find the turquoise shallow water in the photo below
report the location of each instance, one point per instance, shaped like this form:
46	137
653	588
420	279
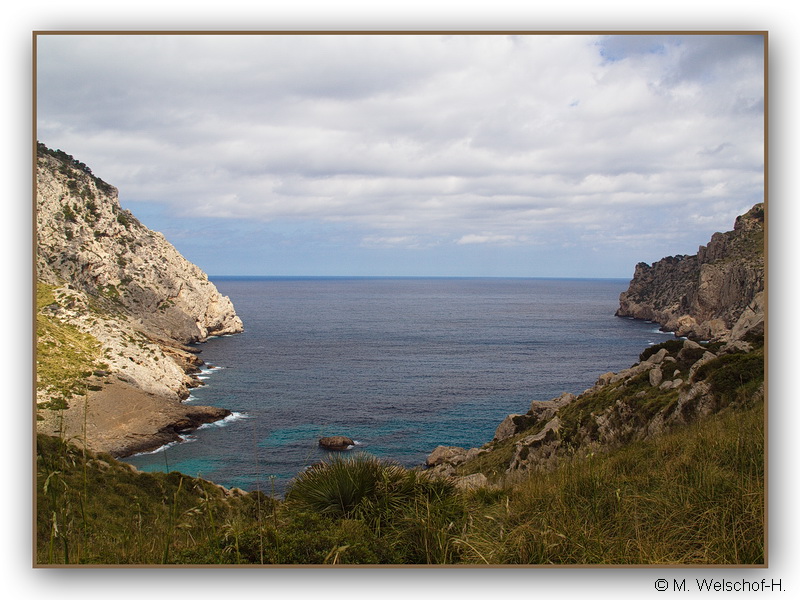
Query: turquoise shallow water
400	365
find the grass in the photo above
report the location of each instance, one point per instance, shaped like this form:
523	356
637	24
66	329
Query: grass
65	356
694	496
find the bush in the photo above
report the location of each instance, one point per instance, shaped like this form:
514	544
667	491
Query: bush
731	375
336	488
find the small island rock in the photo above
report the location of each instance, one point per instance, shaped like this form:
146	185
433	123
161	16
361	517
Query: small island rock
336	442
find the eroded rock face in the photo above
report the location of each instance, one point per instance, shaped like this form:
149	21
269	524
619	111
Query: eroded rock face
131	290
716	294
86	240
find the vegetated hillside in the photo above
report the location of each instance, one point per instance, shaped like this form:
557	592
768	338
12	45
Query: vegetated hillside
640	469
692	496
116	306
716	294
674	384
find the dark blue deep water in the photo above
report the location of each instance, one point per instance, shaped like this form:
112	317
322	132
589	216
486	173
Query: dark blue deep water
400	365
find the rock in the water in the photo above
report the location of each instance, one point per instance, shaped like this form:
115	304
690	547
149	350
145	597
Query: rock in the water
336	442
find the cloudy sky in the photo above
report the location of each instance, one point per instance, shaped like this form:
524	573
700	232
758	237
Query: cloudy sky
462	155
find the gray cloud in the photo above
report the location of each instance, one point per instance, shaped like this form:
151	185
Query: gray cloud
420	141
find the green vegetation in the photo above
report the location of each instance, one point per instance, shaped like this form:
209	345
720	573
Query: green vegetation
68	163
69	214
65	356
694	496
122	219
733	377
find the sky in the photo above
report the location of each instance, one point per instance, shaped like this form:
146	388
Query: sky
416	155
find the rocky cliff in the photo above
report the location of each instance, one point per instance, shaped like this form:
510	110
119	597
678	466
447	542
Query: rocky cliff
129	301
717	294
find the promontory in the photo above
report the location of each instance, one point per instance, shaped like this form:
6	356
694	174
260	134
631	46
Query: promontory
118	314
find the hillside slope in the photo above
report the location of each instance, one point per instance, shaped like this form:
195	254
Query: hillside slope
116	307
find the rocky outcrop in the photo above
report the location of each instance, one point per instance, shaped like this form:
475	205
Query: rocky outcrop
673	384
86	241
108	276
717	294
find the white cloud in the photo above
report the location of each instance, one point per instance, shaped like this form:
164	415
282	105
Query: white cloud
501	239
444	138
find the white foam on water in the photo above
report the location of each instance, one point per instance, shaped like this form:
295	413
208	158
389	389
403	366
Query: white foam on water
231	418
184	439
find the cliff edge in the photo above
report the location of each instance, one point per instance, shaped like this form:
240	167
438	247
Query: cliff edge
117	306
717	294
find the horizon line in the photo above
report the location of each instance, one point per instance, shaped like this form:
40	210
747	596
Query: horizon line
409	277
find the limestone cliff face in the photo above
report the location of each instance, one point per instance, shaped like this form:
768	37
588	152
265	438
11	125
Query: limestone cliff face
132	291
717	294
85	239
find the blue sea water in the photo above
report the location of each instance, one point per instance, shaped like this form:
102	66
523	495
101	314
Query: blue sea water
400	365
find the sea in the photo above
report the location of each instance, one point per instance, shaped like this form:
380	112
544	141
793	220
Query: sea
399	365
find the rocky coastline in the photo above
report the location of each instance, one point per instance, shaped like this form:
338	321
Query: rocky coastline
716	294
132	305
715	297
137	309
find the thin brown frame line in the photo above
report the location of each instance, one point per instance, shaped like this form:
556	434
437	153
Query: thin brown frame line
402	32
328	32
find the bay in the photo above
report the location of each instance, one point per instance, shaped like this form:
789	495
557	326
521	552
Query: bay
400	365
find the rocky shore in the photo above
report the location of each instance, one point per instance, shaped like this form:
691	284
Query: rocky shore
717	297
118	308
123	420
717	294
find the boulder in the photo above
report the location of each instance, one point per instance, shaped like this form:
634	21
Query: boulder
512	425
656	376
471	482
658	357
453	455
336	442
707	357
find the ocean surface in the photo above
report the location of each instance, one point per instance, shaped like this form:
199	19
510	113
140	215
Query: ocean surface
401	365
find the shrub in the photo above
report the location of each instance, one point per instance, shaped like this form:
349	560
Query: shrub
69	214
733	374
337	487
